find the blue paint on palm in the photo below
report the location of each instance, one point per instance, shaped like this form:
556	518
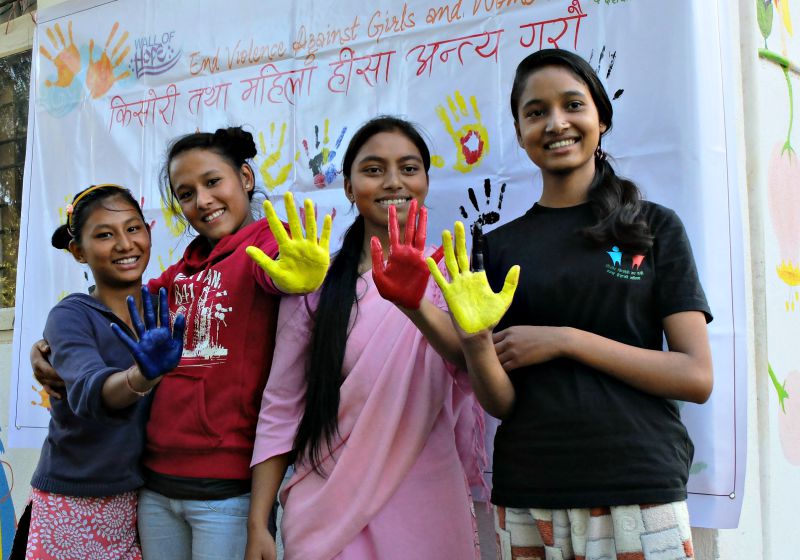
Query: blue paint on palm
158	350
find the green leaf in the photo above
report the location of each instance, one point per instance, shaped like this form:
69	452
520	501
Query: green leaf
764	15
780	388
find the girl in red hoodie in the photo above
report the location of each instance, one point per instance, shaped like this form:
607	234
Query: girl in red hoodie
202	423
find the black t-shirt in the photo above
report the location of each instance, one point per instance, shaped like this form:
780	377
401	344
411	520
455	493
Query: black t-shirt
577	437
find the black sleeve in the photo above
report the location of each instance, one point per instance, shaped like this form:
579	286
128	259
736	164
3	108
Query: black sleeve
677	283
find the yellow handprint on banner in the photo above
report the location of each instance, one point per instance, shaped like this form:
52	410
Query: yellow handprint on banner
782	6
62	211
173	218
273	181
471	140
100	74
161	265
68	59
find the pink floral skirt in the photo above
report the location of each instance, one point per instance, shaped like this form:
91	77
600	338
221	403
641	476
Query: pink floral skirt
72	527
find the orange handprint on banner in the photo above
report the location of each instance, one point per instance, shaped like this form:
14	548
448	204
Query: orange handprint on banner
68	59
44	398
471	140
100	74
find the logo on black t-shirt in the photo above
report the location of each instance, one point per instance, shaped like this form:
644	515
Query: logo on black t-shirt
626	267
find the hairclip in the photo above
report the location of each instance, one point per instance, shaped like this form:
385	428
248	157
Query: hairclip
71	207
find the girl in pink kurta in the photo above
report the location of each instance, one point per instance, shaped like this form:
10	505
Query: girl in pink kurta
388	476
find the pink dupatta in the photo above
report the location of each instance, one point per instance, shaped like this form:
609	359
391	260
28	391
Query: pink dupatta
410	430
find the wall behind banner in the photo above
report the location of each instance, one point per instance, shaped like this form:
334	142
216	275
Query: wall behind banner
115	120
771	58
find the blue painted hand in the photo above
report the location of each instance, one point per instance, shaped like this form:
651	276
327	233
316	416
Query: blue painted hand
158	350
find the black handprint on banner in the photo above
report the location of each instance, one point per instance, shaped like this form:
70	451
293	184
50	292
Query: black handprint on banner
487	215
609	58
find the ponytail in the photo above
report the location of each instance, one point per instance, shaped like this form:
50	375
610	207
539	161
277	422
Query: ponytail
320	423
617	205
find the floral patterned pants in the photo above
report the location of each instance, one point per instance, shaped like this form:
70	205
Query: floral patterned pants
80	528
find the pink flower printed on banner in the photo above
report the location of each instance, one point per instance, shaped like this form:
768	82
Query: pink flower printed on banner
789	420
784	208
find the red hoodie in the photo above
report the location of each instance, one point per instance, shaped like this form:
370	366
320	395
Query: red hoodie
204	414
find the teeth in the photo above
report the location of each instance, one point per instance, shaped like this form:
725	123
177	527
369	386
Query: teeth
561	144
395	201
128	260
213	216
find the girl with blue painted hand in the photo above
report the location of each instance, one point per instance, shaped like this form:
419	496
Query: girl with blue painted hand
84	488
228	285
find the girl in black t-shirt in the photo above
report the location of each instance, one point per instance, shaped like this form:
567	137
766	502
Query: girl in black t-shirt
591	459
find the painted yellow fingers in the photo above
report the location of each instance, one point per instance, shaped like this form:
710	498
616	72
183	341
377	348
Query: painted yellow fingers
471	300
303	260
461	248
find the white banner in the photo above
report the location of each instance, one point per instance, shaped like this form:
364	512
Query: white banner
113	82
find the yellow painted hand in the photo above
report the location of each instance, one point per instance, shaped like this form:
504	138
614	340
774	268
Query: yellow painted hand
470	298
68	59
302	261
100	74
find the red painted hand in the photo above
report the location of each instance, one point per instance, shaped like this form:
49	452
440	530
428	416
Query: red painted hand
403	279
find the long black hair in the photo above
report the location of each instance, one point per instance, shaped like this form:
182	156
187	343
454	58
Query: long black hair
82	206
320	422
234	144
615	201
